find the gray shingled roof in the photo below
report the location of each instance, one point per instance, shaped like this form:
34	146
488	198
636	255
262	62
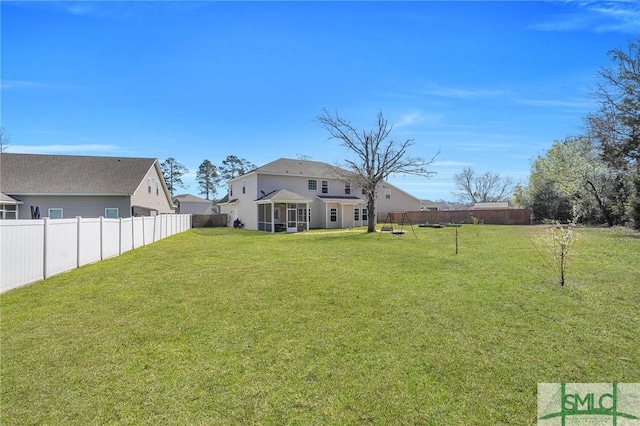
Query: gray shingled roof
303	168
283	195
70	174
188	198
5	199
339	197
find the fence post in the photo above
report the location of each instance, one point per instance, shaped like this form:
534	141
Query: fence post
119	236
101	239
79	219
45	230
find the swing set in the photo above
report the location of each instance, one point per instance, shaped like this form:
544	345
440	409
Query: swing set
387	226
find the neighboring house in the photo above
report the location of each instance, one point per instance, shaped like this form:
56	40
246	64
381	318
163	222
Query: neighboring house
66	186
491	206
434	205
187	203
295	195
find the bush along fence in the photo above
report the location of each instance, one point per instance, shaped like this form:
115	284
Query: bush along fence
488	216
33	250
208	220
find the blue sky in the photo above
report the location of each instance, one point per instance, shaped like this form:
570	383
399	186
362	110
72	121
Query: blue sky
490	85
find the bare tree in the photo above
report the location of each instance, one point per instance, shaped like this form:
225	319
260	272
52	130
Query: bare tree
4	140
376	156
484	188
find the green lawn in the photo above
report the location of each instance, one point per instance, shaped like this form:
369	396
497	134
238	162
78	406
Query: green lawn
228	326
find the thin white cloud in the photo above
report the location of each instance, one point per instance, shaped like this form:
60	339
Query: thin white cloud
416	117
623	17
610	16
461	93
59	149
449	164
34	85
580	104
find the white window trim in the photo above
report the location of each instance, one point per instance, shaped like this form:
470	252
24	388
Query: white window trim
333	212
112	208
56	209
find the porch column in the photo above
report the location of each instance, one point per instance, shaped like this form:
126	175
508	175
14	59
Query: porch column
307	215
326	215
342	216
273	221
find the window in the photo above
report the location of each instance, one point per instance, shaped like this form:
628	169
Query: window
387	194
157	188
313	185
230	190
365	216
244	184
55	214
364	192
149	185
111	213
356	214
302	215
325	187
333	216
347	188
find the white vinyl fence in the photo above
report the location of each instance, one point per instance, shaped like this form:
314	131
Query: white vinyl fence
32	250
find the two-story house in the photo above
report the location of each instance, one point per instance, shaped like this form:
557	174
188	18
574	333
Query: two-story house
295	195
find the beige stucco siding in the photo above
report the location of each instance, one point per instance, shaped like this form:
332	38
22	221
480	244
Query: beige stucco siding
157	199
72	206
398	201
245	201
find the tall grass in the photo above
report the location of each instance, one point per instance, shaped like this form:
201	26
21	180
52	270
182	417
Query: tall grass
227	326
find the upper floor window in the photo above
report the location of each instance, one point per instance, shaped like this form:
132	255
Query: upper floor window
347	188
230	190
244	184
387	194
325	187
312	185
157	188
149	185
